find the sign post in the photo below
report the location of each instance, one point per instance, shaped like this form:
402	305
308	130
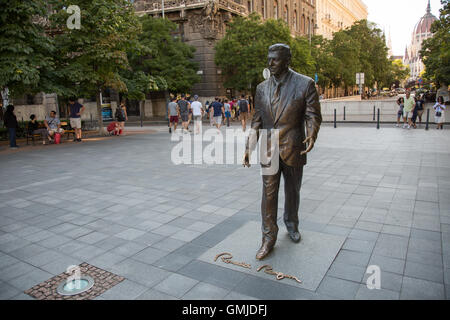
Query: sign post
360	82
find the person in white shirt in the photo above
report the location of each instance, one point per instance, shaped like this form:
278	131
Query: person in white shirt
439	109
197	112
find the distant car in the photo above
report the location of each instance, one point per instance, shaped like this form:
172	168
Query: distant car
400	90
384	93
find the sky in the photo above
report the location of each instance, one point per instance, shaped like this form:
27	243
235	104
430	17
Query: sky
400	17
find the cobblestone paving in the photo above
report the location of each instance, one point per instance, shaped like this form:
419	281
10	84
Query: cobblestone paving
122	206
103	280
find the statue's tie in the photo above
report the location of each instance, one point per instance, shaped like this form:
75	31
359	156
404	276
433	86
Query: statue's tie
275	99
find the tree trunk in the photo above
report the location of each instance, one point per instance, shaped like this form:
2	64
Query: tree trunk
99	113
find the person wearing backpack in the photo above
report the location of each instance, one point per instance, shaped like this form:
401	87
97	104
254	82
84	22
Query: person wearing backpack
121	116
243	112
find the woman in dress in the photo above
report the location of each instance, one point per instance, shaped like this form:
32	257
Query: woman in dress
439	108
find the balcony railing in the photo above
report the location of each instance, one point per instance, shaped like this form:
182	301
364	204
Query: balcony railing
155	6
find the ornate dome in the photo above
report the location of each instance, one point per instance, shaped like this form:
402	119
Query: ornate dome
424	24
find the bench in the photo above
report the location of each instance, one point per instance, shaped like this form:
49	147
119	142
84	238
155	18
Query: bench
32	137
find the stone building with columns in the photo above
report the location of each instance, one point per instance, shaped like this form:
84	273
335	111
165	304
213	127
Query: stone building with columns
201	23
335	15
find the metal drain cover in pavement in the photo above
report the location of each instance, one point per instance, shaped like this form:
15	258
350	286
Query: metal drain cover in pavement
92	283
74	287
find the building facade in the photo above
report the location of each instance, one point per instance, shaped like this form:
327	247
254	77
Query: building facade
421	32
335	15
201	23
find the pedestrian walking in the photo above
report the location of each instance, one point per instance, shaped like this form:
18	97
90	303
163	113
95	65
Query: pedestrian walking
211	114
197	112
235	109
250	104
188	99
174	114
76	110
10	122
408	110
227	109
439	109
184	112
243	112
218	110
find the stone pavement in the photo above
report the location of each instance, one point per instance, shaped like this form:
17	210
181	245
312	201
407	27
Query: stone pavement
121	205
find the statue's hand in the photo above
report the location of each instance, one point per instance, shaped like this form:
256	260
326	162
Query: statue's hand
246	159
310	142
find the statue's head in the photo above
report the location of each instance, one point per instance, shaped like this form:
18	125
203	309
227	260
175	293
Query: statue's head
279	58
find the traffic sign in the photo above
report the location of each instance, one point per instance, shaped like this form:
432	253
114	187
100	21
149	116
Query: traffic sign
360	78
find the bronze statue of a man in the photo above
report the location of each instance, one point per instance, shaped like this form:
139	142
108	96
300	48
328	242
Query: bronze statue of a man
287	102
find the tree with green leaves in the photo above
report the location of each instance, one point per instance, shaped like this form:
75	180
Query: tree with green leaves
326	65
346	49
25	50
361	48
165	57
91	58
436	50
397	73
242	53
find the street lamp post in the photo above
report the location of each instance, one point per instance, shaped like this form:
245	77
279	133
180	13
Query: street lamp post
162	8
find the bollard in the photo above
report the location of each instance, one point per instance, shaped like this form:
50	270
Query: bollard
140	113
91	126
344	113
428	119
378	118
335	118
373	113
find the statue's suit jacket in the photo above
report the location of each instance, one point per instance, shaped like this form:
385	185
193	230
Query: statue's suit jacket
298	108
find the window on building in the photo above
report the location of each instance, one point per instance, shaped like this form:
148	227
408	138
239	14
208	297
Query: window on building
303	24
286	14
249	6
263	13
295	21
275	9
308	26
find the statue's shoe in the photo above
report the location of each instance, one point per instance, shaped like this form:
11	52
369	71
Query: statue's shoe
265	249
295	235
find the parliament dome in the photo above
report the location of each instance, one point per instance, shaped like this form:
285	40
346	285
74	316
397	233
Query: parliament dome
424	24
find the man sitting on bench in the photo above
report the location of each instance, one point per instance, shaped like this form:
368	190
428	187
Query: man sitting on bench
53	125
33	129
